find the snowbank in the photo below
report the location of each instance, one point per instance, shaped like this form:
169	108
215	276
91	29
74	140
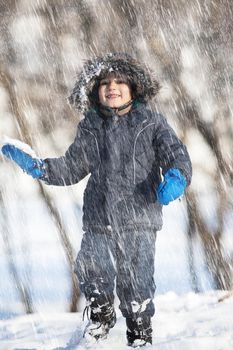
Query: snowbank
188	322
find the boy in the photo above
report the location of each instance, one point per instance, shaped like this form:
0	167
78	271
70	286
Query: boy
125	146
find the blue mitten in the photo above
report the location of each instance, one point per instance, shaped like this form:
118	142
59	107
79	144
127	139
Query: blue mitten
172	187
31	166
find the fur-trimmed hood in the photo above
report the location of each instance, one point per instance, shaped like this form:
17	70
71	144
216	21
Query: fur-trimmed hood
85	92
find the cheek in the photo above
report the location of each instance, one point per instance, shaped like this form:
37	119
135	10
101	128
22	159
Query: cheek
127	93
101	94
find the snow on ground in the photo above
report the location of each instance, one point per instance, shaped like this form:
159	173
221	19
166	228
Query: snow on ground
186	322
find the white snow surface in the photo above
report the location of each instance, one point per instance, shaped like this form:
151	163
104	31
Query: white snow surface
19	144
186	322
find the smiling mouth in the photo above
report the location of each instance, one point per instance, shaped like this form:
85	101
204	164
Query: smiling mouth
112	96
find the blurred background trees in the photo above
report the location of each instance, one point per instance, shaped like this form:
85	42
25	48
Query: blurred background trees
189	46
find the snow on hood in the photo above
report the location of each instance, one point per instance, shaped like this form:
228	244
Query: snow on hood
84	94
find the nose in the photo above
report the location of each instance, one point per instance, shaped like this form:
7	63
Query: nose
112	85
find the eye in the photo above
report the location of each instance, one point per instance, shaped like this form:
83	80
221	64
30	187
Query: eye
121	81
104	82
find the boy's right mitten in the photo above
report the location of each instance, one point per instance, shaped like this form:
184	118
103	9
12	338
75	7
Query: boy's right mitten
32	166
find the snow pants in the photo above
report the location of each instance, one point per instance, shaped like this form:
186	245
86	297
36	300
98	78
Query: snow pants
127	256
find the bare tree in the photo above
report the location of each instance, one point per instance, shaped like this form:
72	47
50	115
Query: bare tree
24	292
25	134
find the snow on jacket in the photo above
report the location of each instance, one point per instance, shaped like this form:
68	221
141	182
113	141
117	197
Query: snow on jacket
125	156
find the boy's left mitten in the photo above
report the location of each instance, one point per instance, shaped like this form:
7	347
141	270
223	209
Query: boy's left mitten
172	187
32	166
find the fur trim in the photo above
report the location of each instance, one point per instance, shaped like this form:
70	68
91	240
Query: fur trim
85	92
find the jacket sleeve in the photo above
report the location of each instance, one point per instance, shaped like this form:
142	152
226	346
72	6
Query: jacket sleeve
171	152
70	168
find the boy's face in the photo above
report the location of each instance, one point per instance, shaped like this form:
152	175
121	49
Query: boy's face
114	91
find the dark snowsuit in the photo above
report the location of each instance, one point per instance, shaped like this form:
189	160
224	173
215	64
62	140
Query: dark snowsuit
121	215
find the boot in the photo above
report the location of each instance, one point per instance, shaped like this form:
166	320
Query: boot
102	316
139	331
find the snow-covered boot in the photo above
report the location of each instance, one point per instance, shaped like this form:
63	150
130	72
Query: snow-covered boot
139	331
102	316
